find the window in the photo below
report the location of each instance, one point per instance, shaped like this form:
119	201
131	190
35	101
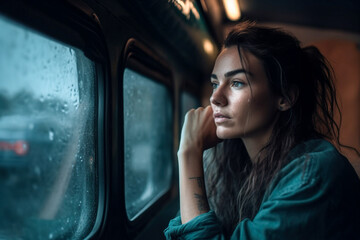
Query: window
48	183
148	141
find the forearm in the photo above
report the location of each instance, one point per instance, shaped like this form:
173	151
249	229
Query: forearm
193	201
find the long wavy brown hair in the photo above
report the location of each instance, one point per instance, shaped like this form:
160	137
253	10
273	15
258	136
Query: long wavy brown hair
235	184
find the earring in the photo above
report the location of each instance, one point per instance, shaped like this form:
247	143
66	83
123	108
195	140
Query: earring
280	108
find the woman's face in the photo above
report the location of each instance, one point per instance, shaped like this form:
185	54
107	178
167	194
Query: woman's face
242	102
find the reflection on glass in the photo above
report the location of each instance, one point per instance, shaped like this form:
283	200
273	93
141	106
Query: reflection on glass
148	141
48	184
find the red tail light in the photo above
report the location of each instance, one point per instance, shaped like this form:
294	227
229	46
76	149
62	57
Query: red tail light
20	147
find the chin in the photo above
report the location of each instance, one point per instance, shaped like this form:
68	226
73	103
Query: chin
226	133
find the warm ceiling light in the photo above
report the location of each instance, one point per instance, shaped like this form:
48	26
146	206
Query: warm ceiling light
208	46
232	9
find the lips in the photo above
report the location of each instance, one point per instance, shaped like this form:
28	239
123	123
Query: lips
220	118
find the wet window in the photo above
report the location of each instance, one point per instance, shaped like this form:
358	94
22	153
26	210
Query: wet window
148	141
48	184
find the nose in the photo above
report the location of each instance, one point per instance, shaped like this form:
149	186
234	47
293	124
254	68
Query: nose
219	97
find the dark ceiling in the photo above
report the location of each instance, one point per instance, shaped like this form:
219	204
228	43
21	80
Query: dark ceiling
331	14
341	15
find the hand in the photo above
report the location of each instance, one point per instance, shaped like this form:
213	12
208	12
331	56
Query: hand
199	130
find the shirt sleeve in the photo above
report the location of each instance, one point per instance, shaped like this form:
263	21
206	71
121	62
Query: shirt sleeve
204	226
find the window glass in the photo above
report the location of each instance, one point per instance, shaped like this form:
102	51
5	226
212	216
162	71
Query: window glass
48	184
187	101
148	141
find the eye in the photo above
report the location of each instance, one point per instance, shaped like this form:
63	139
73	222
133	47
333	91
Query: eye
214	85
237	84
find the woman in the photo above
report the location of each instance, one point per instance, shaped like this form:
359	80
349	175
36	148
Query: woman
274	175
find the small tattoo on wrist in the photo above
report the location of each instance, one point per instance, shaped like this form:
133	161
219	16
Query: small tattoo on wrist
200	181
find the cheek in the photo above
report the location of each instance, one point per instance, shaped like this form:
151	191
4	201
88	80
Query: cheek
250	111
262	108
242	108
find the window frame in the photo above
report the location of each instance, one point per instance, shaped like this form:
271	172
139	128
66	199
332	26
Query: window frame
72	26
143	60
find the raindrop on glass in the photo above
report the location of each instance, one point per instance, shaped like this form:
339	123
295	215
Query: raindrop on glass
51	135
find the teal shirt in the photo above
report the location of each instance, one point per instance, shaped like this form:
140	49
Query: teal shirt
315	196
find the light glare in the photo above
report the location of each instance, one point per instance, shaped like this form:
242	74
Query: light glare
232	9
208	46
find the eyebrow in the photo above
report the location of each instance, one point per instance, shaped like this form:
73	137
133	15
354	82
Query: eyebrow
232	73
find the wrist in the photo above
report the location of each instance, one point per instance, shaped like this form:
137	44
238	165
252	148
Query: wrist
190	164
189	152
190	147
190	158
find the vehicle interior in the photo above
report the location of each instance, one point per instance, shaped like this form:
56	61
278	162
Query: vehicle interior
93	95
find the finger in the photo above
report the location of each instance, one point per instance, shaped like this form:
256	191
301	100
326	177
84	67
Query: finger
209	110
199	110
189	114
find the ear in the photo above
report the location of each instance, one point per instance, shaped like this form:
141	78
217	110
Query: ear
285	103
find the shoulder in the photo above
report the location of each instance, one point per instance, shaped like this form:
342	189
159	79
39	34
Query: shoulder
318	158
315	194
314	163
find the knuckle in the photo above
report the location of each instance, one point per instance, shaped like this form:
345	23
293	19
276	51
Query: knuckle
199	109
189	113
